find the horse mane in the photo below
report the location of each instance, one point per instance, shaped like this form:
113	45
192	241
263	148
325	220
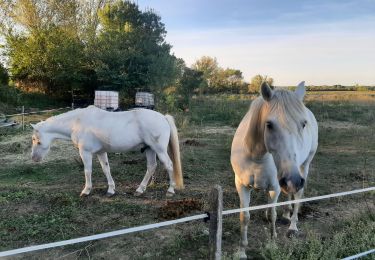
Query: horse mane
288	109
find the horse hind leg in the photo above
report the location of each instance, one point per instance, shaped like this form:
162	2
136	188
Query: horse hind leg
167	162
151	167
244	194
103	159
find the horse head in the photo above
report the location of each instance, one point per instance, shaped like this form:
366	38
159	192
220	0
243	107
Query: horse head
284	121
41	142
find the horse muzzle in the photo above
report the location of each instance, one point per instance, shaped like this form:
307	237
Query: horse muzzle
36	158
291	184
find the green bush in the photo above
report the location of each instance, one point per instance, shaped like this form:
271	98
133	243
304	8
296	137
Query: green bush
4	77
9	95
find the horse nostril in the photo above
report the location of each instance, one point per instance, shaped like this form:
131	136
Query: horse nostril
282	182
300	186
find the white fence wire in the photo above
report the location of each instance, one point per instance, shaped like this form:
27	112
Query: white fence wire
23	114
359	255
181	220
38	112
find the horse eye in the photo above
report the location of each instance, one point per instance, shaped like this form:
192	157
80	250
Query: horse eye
304	124
39	143
269	125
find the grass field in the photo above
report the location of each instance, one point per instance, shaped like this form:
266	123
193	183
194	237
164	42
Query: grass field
40	203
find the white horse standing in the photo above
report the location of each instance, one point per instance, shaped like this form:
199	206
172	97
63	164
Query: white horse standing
95	131
272	148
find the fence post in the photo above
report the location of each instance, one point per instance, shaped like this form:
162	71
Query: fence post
216	221
23	117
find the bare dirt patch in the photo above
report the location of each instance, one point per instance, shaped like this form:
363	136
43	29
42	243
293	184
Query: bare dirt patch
192	142
178	208
219	130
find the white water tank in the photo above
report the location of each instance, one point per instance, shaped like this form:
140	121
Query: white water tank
107	100
144	99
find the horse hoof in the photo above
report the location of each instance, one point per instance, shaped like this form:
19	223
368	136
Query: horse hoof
284	221
108	194
292	233
169	194
84	195
240	255
137	194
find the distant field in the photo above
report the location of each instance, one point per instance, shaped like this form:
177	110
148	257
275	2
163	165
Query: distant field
40	203
352	96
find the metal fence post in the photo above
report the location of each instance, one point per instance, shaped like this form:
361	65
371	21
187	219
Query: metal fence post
23	117
216	222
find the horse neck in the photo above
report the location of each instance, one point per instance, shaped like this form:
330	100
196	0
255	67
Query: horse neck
60	127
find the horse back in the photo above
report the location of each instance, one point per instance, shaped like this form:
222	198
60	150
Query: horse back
120	131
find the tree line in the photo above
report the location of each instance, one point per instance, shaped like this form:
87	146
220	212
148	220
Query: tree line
56	47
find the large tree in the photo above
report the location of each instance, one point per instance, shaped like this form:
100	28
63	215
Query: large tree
189	82
42	43
256	82
209	67
217	79
131	52
55	45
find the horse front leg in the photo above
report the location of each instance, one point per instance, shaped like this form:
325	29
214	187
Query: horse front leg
287	209
274	195
293	230
244	194
103	159
151	167
298	195
87	162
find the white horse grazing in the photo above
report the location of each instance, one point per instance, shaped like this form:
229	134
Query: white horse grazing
272	148
95	131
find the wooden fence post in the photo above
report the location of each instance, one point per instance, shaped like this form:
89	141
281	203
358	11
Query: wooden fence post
216	221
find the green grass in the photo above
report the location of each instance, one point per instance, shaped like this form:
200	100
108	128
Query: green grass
348	238
40	202
357	113
218	110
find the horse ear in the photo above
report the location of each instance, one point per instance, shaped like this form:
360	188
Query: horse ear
300	90
266	91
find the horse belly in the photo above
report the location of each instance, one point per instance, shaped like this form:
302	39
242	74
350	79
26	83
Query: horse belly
125	145
119	140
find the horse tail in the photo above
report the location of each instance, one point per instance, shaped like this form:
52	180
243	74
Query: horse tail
174	153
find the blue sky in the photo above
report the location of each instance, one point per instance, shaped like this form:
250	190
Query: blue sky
321	42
